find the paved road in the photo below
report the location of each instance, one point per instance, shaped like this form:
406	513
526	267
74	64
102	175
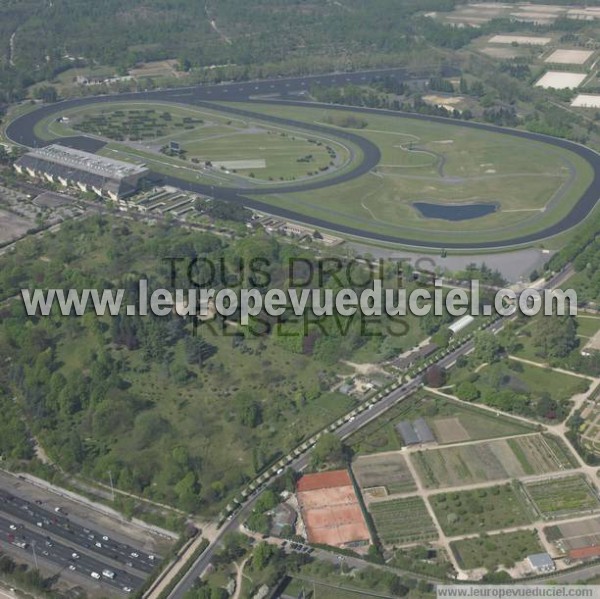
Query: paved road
21	131
58	536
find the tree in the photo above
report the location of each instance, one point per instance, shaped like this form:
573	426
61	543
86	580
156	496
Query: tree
554	336
467	391
328	449
435	376
487	347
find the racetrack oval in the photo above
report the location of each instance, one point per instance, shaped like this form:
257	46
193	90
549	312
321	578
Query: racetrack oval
21	131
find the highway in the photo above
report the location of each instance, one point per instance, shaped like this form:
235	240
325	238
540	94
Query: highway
22	131
64	543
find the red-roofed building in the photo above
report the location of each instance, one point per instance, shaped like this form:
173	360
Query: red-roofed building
585	552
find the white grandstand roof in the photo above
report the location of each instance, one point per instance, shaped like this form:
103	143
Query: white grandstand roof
91	163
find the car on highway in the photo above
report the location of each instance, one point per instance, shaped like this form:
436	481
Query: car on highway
98	544
105	538
108	574
95	575
127	589
134	554
12	527
72	567
75	555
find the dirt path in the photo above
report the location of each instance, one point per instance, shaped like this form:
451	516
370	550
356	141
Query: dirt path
238	578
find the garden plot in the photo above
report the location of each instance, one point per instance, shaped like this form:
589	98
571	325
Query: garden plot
481	510
388	472
562	497
569	56
575	535
560	80
450	430
493	460
401	521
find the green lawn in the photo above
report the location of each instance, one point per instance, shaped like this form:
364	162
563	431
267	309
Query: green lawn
481	510
493	551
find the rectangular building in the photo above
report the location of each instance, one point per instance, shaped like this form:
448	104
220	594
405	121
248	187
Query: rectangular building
103	176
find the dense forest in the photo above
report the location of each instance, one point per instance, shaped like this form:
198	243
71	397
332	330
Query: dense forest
176	413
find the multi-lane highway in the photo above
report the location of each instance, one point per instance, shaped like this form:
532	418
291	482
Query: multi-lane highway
51	537
22	131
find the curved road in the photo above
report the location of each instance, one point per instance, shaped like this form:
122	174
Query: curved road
21	131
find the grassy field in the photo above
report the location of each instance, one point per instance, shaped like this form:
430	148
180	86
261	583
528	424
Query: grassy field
563	496
450	421
481	510
533	183
523	378
388	471
236	148
587	326
492	460
493	551
401	521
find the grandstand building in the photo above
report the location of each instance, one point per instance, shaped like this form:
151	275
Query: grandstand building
105	177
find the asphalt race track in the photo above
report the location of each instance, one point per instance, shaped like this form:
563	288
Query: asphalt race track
21	131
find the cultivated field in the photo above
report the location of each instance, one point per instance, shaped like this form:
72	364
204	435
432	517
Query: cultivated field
574	535
481	510
569	56
489	461
560	80
504	549
450	420
401	521
389	472
561	497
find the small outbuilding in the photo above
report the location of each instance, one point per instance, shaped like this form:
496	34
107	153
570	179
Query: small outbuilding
541	563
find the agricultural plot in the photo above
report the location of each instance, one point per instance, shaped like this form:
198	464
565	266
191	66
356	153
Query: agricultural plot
561	80
481	510
575	535
577	57
492	460
493	551
561	497
401	521
450	420
387	472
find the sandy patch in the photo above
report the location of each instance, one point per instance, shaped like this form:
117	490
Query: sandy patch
561	80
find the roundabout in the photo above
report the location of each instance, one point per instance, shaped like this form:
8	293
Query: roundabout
384	176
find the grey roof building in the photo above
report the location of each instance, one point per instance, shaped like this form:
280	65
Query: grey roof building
407	432
89	172
541	562
423	431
